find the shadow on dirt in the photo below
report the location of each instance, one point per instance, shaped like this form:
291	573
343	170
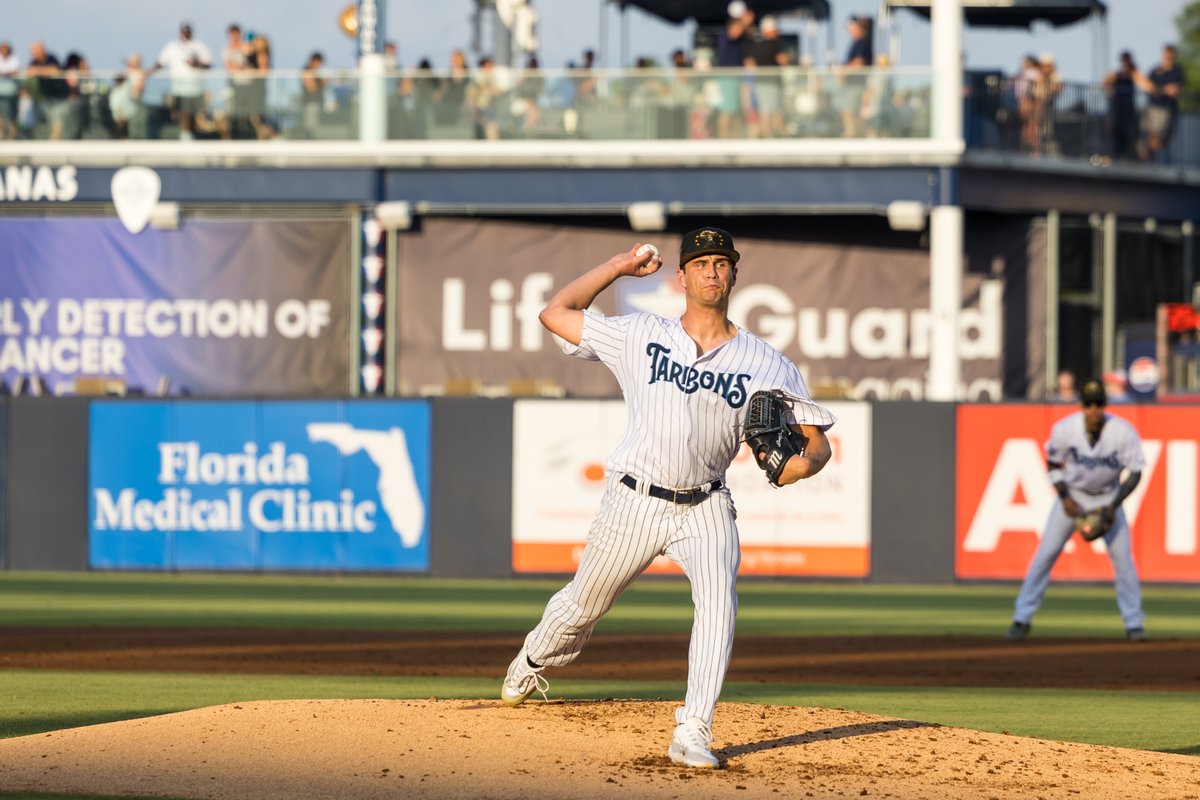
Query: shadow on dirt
840	732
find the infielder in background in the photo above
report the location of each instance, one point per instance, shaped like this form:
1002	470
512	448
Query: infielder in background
687	384
1086	454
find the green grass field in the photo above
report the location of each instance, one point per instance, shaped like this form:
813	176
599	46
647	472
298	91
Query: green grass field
35	701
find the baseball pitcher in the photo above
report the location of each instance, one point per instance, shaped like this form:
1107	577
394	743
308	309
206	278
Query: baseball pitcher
695	388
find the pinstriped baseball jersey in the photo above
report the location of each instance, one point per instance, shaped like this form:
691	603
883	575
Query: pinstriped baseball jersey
686	411
685	426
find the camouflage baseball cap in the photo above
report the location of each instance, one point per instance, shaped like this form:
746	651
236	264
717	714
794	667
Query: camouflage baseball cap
705	241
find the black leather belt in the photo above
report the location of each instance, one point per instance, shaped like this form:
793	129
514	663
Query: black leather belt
686	497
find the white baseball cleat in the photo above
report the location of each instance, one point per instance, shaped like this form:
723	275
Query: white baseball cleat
690	745
522	680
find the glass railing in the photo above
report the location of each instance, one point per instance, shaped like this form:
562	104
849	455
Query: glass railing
497	104
1072	121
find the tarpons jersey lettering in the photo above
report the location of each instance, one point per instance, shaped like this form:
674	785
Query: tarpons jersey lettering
730	386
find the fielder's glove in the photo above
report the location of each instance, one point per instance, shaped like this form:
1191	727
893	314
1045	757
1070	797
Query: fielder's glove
771	440
1095	523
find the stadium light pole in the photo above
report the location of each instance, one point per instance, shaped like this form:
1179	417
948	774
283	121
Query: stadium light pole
946	217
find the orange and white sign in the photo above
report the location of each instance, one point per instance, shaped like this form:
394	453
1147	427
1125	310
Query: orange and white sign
1004	497
817	527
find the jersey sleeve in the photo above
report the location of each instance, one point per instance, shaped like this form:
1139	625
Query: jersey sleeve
603	337
804	410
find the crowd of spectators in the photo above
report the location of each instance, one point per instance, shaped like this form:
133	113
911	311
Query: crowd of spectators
747	81
1137	112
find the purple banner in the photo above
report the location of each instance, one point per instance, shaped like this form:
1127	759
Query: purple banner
215	308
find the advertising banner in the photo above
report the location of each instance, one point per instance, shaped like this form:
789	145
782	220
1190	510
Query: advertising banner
259	486
217	307
847	314
1004	496
817	527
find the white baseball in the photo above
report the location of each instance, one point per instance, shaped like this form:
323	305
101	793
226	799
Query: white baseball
649	248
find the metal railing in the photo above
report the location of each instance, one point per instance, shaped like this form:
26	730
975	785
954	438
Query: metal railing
1077	121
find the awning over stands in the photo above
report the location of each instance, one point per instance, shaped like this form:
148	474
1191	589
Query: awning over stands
713	12
1014	13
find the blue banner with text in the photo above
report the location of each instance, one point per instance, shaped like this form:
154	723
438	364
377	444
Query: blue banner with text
306	485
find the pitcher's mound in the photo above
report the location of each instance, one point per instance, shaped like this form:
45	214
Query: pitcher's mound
351	749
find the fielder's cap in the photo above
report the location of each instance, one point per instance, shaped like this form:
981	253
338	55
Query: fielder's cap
769	24
735	9
705	241
1093	394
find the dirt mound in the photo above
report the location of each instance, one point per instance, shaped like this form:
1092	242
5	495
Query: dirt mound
359	749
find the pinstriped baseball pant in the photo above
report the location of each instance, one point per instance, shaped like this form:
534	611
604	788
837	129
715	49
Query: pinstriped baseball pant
629	531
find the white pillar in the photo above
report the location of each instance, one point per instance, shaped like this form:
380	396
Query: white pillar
945	300
946	218
372	98
947	25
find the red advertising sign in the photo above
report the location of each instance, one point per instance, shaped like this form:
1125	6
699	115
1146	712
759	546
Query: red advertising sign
1003	495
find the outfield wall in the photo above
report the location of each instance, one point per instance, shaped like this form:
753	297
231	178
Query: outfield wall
479	487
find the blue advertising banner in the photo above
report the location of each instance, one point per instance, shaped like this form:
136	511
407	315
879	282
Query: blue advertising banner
216	307
259	485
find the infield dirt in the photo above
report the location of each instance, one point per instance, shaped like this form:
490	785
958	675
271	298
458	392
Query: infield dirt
362	749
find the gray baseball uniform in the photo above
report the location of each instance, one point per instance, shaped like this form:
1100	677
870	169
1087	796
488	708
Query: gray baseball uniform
685	424
1092	473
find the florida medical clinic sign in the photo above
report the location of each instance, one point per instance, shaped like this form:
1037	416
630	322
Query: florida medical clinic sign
259	485
1004	497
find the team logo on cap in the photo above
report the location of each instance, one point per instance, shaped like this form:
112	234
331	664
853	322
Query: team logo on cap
709	238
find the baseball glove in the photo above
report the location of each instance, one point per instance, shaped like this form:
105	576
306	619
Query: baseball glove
767	433
1093	524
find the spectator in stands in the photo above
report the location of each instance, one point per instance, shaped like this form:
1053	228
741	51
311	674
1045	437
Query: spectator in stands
1121	88
391	67
1064	387
1048	90
1115	386
769	54
486	100
450	96
853	80
185	58
75	70
312	94
259	62
679	60
1027	90
125	100
730	58
742	12
1164	84
235	122
10	90
50	87
528	103
585	79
